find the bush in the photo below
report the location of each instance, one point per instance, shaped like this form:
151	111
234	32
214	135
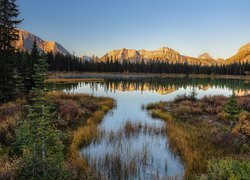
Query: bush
68	109
244	102
243	125
228	169
234	143
9	115
182	112
223	116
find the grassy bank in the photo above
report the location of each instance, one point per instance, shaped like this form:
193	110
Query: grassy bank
199	131
80	75
82	114
61	80
78	117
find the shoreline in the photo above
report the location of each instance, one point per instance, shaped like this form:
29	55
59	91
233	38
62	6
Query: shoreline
102	75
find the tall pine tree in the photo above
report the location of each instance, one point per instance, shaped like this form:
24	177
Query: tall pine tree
37	136
8	36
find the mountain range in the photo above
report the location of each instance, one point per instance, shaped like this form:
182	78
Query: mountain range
26	40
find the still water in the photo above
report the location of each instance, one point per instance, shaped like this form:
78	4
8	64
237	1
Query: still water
144	153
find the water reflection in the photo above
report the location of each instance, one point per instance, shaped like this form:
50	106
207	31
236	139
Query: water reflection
159	85
143	155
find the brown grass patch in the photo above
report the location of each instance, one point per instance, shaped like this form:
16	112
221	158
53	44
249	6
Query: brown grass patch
60	80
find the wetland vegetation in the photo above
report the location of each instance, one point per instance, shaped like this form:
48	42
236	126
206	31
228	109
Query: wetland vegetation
203	133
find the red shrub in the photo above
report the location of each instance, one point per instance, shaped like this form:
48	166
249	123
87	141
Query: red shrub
244	102
8	110
68	109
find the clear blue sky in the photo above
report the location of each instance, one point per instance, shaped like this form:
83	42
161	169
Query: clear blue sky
90	27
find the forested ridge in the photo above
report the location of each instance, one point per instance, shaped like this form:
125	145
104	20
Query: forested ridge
69	63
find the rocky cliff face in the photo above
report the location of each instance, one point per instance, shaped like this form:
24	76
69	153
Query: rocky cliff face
172	56
205	56
26	40
163	54
243	55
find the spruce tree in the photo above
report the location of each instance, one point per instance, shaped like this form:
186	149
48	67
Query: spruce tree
193	94
37	136
8	36
232	107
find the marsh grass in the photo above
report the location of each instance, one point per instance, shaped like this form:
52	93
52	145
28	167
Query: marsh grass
61	80
82	114
192	128
124	162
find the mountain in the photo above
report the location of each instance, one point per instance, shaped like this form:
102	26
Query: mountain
205	56
164	54
26	40
243	55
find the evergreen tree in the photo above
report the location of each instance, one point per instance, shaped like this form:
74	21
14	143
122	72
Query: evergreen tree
193	95
8	36
19	74
37	136
30	65
232	107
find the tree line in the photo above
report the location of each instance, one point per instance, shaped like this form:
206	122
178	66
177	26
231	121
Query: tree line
59	62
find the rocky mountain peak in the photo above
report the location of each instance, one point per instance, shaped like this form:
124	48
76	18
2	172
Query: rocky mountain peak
245	48
168	50
26	40
205	56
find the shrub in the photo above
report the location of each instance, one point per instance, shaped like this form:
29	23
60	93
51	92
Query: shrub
9	115
182	112
228	169
68	109
223	116
244	102
243	125
235	143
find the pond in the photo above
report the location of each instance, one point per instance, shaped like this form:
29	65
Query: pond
133	145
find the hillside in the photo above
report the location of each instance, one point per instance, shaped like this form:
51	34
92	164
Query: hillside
26	40
164	54
243	55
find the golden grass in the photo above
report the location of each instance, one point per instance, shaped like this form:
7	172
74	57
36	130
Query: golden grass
193	142
156	113
86	130
60	80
